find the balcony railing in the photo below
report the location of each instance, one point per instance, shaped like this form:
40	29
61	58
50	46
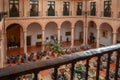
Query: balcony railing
79	13
67	13
51	13
106	14
14	14
33	14
92	13
103	54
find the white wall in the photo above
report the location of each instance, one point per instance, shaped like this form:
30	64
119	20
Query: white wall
50	30
78	29
65	28
33	30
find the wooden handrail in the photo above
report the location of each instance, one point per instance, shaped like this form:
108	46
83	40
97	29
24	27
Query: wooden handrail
39	65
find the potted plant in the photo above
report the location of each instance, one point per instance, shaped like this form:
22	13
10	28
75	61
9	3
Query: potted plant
55	47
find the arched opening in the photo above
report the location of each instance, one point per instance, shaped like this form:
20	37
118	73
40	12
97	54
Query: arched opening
51	33
14	38
106	35
78	33
34	37
92	34
66	34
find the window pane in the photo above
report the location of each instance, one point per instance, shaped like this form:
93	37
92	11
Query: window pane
66	7
51	8
107	8
93	9
14	8
33	8
79	8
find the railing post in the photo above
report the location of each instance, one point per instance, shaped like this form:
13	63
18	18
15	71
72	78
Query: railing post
55	73
87	69
117	65
108	66
36	76
72	71
98	67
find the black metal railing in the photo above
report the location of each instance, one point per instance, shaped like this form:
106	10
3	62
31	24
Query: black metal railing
103	54
54	13
106	14
67	13
33	14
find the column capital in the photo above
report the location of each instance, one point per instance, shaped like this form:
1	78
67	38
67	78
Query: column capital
25	31
72	28
98	28
58	29
43	29
114	32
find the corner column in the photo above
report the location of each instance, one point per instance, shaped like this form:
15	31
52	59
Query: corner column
1	54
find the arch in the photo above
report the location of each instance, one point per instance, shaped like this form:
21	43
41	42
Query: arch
34	34
79	21
66	22
92	32
51	23
32	24
51	31
106	37
14	34
92	24
106	24
65	34
78	32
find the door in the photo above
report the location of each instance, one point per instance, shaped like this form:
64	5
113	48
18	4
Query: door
28	40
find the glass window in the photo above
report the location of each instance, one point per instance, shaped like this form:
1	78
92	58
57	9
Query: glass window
66	7
14	8
51	8
33	7
107	8
79	8
93	8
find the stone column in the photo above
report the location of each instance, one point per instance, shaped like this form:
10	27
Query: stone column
72	37
98	38
1	54
43	40
86	40
25	41
84	36
114	37
3	47
58	35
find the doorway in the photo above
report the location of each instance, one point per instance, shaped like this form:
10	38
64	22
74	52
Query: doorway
28	40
